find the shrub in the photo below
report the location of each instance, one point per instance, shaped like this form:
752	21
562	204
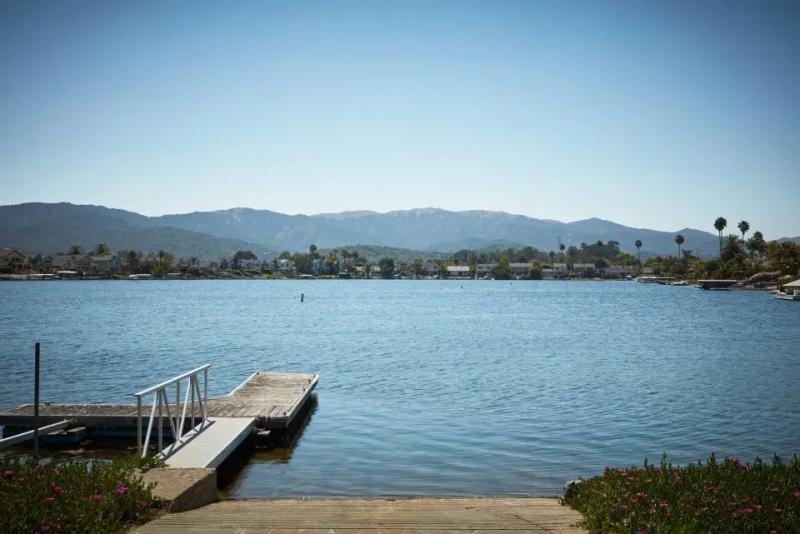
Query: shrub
713	497
73	496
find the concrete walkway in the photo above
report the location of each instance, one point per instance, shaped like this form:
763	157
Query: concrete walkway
374	516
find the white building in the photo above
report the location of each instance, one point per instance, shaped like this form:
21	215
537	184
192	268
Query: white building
458	271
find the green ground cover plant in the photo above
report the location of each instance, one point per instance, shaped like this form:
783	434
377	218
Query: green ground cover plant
713	497
73	496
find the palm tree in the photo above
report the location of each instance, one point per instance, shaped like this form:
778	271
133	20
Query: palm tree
132	260
731	248
720	225
679	240
552	256
101	250
638	246
744	226
312	251
756	244
561	247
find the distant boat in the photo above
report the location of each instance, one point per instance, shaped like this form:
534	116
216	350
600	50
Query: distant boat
715	284
790	291
680	283
140	277
663	280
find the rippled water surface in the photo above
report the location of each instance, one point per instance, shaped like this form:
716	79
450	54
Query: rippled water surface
436	388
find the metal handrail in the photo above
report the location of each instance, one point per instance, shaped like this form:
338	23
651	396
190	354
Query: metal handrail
171	380
178	421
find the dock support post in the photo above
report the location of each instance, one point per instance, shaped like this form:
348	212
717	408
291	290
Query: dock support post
139	425
160	423
192	386
205	395
178	408
36	403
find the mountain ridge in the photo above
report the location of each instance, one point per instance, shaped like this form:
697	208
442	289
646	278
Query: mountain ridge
39	227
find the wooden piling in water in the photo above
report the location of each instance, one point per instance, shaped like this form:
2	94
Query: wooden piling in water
36	403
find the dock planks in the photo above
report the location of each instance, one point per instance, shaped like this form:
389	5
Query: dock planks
395	516
272	399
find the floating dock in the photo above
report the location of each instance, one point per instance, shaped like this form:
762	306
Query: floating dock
272	399
263	401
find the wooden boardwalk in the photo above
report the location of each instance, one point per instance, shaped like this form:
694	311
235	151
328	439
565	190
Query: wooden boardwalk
399	516
272	399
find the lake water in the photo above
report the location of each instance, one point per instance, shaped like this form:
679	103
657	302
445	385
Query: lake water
436	387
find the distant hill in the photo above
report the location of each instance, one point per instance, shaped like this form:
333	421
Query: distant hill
428	229
50	228
794	239
39	227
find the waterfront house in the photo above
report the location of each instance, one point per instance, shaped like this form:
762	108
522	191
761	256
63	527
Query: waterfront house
11	260
250	265
430	268
458	271
484	269
67	262
619	271
402	269
283	265
318	266
104	264
560	269
584	269
520	269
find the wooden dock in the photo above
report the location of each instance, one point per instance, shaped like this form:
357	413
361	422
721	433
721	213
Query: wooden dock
273	400
395	516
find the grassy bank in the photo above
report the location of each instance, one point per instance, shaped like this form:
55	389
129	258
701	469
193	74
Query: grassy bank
72	496
727	496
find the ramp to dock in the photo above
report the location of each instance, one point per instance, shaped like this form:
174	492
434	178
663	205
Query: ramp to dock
210	447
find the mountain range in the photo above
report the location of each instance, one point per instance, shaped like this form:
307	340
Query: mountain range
51	227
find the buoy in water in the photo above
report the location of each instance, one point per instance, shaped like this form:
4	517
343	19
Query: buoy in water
302	296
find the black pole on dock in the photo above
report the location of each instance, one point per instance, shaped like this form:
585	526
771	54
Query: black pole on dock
36	405
302	296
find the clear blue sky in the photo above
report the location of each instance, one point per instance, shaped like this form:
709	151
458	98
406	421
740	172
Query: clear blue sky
660	115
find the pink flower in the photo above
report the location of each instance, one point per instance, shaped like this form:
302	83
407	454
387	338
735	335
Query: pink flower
641	494
663	504
96	498
121	490
773	531
640	531
141	505
777	510
747	511
56	472
8	473
58	489
44	527
757	507
796	494
50	500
